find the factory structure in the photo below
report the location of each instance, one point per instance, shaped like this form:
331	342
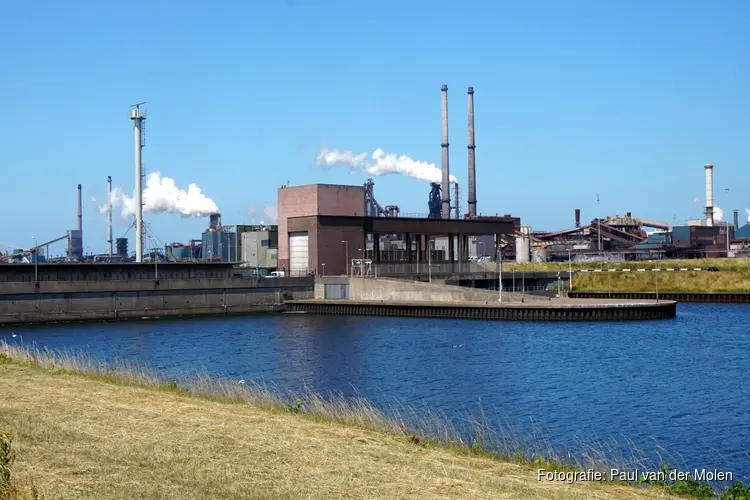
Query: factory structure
343	229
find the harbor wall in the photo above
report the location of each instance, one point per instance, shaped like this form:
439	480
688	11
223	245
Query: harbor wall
676	296
390	289
60	301
506	312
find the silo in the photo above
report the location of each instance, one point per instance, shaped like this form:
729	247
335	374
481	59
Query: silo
523	245
540	254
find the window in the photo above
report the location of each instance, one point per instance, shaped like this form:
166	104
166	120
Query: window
264	243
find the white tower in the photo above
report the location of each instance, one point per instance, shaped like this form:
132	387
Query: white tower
138	115
709	194
109	215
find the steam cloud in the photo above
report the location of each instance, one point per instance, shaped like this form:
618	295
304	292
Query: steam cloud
161	195
382	164
747	212
271	212
718	214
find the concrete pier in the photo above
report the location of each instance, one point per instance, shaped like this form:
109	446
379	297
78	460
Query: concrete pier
559	310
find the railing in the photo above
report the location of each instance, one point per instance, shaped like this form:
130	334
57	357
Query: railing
478	269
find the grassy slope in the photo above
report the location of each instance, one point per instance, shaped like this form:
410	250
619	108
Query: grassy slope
733	275
80	437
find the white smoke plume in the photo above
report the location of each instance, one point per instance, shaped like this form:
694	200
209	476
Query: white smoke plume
271	212
161	195
747	212
381	163
718	214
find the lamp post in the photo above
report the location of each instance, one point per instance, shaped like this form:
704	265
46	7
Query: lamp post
430	247
570	273
35	256
500	272
324	269
726	222
346	243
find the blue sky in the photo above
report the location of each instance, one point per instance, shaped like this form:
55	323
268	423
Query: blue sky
627	99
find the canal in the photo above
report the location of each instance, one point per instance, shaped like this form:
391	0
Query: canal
674	387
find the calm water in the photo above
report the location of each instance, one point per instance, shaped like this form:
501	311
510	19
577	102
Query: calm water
681	383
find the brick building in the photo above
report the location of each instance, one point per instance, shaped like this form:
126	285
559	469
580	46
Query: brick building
322	227
301	246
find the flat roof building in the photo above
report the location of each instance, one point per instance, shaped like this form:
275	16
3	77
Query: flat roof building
322	227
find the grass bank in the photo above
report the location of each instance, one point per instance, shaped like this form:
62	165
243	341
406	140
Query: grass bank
733	275
83	429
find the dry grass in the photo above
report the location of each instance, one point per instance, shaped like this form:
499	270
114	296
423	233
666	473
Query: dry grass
123	433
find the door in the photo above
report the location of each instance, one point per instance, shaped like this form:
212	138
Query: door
336	291
298	253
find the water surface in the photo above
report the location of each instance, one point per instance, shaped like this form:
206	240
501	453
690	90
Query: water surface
679	383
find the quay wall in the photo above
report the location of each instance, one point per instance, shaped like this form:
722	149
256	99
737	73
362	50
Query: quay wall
736	297
391	289
514	312
60	301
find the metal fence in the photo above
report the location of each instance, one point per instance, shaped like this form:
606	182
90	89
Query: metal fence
476	269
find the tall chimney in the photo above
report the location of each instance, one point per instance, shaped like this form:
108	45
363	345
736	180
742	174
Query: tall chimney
138	116
446	169
578	217
109	215
80	210
736	219
472	159
709	194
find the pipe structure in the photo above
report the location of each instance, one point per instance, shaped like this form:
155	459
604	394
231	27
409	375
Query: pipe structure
472	158
709	194
736	219
138	117
109	215
457	202
444	144
80	210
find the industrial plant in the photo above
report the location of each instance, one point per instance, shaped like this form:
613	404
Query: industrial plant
342	229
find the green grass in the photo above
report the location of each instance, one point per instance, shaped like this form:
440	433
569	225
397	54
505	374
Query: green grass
733	275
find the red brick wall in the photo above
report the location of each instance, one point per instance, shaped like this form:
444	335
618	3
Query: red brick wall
341	200
297	201
319	199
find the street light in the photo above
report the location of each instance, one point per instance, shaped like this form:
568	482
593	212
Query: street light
500	271
430	248
35	256
347	256
324	269
570	273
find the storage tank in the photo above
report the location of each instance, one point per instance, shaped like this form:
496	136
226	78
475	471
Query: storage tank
540	254
523	245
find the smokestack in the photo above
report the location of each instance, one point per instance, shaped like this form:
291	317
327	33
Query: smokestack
137	116
472	159
578	217
709	194
80	211
446	168
736	219
109	215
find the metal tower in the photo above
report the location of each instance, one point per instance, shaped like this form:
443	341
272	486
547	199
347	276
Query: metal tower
138	115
